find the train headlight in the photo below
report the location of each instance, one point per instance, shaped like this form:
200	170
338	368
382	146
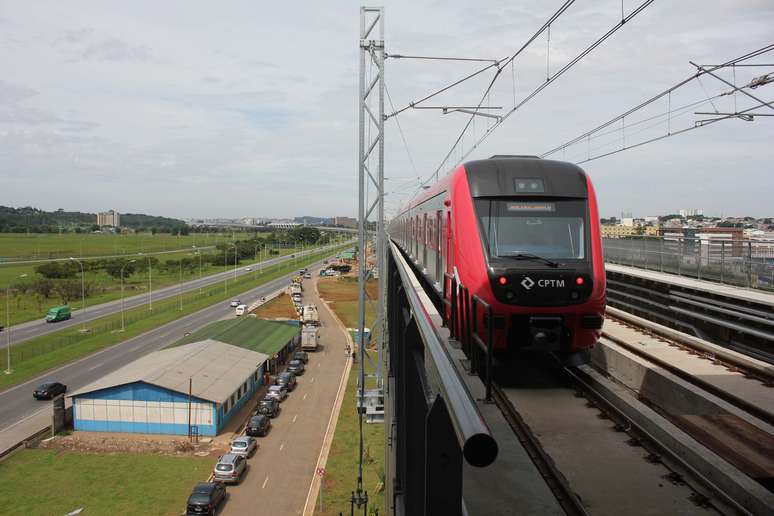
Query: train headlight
579	280
502	280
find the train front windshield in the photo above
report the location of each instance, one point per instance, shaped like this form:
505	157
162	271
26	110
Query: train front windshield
550	229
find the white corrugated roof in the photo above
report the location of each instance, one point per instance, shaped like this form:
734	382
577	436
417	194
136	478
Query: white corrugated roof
216	369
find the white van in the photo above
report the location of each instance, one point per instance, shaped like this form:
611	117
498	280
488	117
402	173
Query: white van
241	310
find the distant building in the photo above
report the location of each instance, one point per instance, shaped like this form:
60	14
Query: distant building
692	212
109	218
618	231
345	222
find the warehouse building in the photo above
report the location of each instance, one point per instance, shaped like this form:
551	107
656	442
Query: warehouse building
151	395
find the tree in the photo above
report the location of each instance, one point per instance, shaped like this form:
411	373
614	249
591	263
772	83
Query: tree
113	268
58	270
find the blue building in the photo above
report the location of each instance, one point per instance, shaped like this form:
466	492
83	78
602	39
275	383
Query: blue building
151	395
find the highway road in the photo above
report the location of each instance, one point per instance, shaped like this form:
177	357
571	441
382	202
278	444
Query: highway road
17	404
32	329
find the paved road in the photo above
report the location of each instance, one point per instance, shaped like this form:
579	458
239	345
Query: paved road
32	329
17	404
281	471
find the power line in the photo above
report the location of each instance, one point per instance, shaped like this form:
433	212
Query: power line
400	130
434	58
542	29
661	95
558	74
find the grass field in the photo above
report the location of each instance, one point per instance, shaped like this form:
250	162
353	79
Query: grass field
53	482
341	469
35	356
42	246
341	292
105	288
266	337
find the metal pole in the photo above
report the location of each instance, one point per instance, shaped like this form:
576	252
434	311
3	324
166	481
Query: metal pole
180	286
83	291
122	292
190	389
8	369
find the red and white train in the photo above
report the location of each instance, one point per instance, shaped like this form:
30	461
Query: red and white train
523	234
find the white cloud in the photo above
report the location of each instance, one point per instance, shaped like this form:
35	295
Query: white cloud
247	108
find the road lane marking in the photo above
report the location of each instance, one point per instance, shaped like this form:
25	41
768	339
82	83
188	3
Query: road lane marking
304	397
264	483
295	417
312	380
318	365
92	368
282	445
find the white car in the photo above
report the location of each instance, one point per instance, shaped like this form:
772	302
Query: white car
244	445
279	392
235	303
248	269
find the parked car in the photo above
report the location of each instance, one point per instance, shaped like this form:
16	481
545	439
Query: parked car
230	468
205	498
280	392
49	390
235	303
244	445
287	379
302	356
268	407
296	367
258	426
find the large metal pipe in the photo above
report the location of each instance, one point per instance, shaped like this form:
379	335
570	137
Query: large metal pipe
478	446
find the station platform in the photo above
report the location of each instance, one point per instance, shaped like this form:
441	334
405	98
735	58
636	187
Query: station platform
746	295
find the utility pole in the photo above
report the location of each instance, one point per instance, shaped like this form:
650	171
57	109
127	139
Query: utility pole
370	177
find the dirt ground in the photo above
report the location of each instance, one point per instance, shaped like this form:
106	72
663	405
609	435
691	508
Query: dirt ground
99	442
281	307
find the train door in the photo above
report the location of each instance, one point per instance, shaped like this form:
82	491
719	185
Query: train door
437	243
424	240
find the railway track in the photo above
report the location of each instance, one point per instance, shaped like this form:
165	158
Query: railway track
673	426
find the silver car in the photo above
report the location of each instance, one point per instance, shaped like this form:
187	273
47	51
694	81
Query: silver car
230	468
244	445
279	392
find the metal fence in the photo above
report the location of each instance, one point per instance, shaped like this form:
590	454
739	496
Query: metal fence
746	263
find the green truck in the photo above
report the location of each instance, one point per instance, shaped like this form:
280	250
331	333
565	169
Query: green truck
58	313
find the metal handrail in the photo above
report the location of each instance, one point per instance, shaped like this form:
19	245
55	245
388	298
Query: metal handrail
476	442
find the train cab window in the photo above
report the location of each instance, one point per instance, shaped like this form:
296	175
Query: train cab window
552	229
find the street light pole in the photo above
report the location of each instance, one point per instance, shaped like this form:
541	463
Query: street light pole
122	292
180	286
8	369
235	262
83	291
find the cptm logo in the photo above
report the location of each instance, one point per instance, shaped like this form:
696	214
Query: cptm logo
527	283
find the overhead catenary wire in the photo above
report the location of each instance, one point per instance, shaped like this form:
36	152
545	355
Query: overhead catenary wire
666	93
641	7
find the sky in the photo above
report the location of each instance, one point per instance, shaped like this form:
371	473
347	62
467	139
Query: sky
244	108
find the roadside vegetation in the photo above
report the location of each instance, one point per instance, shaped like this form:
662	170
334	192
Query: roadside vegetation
341	469
45	482
35	287
30	358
